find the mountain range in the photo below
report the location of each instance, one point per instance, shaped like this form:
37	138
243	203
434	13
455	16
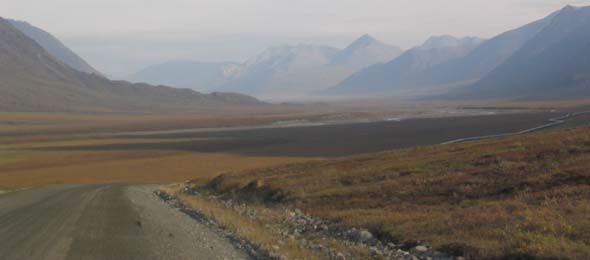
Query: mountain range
544	59
32	79
408	69
279	70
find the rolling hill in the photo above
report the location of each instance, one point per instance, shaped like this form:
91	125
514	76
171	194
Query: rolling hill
31	79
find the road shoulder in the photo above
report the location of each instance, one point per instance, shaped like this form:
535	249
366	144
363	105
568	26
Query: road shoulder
174	234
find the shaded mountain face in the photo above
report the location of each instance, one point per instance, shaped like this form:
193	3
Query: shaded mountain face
552	64
31	79
483	59
19	54
277	71
200	76
54	47
406	70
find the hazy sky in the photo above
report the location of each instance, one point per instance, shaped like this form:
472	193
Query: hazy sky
121	36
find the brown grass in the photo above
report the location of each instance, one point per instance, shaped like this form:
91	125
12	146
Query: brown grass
121	166
27	124
525	196
28	160
254	230
262	226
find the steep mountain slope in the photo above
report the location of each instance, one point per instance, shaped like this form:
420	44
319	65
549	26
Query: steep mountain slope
406	69
486	57
54	46
553	64
33	80
200	76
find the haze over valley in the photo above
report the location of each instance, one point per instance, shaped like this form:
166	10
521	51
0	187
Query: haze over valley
266	129
368	68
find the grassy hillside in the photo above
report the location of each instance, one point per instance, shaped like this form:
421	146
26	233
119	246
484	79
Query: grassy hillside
524	197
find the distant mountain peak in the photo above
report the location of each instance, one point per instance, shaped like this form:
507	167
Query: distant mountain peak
366	51
366	36
285	56
440	41
570	8
364	40
448	41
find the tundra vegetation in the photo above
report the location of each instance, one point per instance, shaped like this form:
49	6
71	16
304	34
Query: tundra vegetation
38	149
517	196
523	197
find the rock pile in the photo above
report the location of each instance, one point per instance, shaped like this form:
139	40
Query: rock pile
253	250
302	225
310	233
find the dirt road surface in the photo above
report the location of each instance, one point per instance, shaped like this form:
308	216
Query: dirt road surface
107	221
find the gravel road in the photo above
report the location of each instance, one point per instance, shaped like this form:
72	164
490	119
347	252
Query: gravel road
107	221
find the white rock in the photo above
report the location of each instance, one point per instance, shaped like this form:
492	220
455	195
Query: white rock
365	236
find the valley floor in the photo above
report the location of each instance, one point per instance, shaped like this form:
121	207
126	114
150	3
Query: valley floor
66	167
49	153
